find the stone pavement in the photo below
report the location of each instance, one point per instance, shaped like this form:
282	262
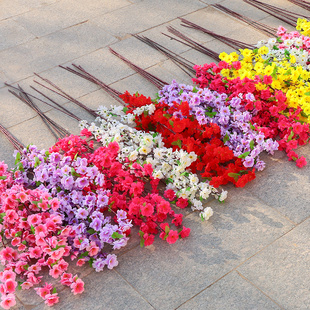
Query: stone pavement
254	252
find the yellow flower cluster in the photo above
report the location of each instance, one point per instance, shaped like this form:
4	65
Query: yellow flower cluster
303	26
287	77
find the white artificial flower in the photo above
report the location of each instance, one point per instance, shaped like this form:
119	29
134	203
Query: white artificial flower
207	213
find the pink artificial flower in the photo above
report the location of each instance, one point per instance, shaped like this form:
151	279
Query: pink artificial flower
66	279
26	285
58	254
11	216
63	265
10	286
170	194
34	219
35	252
51	299
80	262
182	203
8	301
173	236
281	31
15	241
77	287
43	291
8	275
185	232
22	197
301	162
148	169
55	272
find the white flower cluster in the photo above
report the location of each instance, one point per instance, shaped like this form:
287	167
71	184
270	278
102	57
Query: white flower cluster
148	148
288	47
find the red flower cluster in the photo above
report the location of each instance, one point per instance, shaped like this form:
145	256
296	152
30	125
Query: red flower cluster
215	161
271	114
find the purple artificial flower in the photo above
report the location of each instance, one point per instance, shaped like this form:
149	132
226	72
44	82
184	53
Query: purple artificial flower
102	200
117	244
67	182
82	182
96	224
248	162
81	214
99	264
111	261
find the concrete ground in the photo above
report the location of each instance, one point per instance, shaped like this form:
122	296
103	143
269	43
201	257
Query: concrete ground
254	252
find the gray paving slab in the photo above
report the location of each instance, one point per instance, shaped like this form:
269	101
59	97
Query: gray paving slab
209	18
13	111
240	227
12	34
230	293
33	131
6	151
10	8
145	15
281	270
106	290
50	51
47	19
284	186
245	9
104	65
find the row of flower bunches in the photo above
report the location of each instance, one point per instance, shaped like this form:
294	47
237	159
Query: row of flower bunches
80	199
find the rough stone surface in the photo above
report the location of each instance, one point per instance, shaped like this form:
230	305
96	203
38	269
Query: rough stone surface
254	252
233	292
282	269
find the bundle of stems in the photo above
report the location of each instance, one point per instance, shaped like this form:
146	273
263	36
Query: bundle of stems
157	82
236	44
270	31
282	14
184	64
80	71
14	141
63	94
57	131
304	4
191	43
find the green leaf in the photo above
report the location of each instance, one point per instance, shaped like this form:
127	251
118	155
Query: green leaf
167	115
26	267
125	109
3	177
116	235
90	262
36	162
2	215
74	173
91	231
24	242
244	155
188	188
142	242
211	114
195	90
17	158
167	229
234	175
54	291
178	143
290	136
201	216
307	93
226	138
252	144
171	123
32	229
19	286
18	234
